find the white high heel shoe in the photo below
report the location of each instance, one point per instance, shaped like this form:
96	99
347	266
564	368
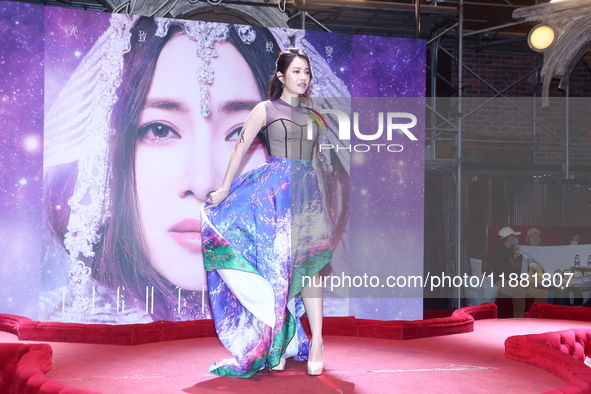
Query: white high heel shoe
316	367
280	366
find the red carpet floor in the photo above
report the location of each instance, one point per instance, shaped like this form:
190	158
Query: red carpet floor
462	363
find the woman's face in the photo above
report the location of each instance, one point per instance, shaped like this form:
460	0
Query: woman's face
181	155
297	77
534	239
511	241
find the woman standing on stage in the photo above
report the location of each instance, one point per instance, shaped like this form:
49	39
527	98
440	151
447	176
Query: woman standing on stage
264	235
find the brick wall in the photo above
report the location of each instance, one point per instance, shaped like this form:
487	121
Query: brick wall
510	125
502	69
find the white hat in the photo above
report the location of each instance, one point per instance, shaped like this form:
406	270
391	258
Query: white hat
506	231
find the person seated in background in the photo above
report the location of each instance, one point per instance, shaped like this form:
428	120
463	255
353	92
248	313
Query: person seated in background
534	237
507	260
575	238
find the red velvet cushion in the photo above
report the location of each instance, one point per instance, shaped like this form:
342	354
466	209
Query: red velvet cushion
484	311
24	370
547	311
8	361
125	334
11	323
134	334
461	321
334	325
35	382
188	329
561	353
52	387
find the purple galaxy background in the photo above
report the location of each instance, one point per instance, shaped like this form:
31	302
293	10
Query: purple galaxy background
369	66
387	189
388	67
336	50
21	155
386	224
69	35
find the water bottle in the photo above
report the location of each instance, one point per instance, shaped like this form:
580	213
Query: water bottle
589	261
577	261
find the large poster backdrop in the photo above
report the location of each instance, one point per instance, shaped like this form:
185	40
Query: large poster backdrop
102	180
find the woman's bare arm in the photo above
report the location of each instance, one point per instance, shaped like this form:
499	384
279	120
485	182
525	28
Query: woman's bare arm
253	124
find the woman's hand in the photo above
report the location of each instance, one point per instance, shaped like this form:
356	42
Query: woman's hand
215	198
516	250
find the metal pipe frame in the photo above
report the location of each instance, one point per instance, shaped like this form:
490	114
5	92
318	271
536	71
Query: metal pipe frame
459	227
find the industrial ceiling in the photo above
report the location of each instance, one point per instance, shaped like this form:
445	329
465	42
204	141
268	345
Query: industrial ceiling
488	24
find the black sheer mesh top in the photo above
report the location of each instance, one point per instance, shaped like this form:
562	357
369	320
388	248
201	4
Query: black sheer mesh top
286	132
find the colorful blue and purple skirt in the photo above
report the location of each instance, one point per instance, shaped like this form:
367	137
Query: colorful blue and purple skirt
258	246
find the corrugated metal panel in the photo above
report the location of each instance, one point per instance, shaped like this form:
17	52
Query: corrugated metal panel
577	205
523	203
